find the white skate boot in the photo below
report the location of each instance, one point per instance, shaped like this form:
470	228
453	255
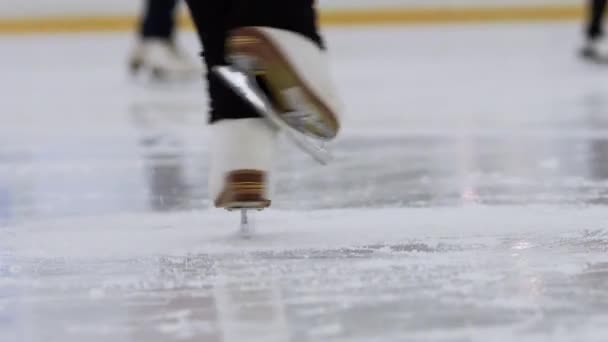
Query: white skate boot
596	50
162	60
293	71
242	155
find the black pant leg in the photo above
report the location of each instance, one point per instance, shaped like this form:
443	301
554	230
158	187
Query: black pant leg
215	18
596	16
159	19
298	16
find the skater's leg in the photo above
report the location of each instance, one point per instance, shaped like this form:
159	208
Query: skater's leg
596	47
215	19
243	144
156	50
210	18
596	16
158	20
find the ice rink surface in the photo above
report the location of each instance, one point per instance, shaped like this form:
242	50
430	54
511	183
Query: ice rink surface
467	199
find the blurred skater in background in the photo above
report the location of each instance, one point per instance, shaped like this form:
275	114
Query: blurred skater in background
596	47
156	52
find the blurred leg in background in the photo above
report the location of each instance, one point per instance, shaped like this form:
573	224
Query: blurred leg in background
596	47
242	143
157	52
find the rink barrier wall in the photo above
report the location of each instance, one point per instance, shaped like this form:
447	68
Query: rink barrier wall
341	17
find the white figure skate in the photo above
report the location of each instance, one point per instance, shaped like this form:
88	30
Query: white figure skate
162	60
242	155
300	99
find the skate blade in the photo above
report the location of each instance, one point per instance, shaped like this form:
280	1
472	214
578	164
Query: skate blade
246	228
246	87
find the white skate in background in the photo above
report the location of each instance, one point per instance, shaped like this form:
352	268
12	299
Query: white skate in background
162	60
596	50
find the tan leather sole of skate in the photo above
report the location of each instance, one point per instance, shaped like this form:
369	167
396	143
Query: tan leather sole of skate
244	189
281	76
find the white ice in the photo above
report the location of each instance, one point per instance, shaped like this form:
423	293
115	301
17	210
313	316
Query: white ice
467	201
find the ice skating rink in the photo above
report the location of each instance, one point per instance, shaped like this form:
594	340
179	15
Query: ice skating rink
467	199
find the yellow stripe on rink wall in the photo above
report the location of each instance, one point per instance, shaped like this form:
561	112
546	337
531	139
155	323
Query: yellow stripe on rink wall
66	24
343	17
451	15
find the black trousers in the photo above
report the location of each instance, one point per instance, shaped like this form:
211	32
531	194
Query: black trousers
215	18
158	20
596	16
